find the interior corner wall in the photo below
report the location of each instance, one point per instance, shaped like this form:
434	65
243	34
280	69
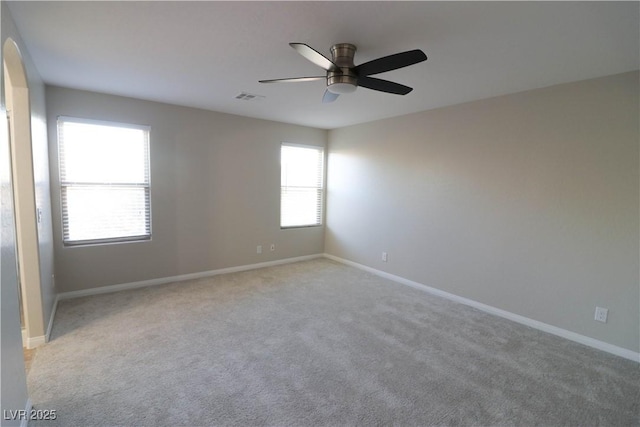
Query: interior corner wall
527	202
215	193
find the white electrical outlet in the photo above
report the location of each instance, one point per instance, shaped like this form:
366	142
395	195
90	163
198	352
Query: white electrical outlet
273	247
384	256
601	314
259	249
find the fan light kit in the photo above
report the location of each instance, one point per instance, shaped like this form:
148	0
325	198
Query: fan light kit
343	76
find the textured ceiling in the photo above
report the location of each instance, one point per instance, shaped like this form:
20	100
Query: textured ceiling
202	54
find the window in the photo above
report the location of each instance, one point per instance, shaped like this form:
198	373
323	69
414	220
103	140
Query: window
301	185
104	181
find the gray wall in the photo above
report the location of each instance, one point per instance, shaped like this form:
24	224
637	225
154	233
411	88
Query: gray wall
14	381
215	192
526	202
40	147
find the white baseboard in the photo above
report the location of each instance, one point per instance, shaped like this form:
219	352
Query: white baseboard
53	315
33	342
27	408
180	278
582	339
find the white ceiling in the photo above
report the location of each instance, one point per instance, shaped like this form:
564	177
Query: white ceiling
202	54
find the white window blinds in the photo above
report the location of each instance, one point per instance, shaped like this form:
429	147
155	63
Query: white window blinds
104	181
302	189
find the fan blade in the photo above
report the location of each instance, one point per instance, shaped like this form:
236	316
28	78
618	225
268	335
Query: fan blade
383	85
391	62
329	97
294	79
314	56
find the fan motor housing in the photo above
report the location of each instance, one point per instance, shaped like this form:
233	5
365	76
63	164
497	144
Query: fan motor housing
344	80
342	54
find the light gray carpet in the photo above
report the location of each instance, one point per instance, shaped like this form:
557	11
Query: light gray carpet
315	343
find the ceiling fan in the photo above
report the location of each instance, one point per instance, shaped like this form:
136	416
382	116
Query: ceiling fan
344	77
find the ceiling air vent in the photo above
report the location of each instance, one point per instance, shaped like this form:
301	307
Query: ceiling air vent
245	96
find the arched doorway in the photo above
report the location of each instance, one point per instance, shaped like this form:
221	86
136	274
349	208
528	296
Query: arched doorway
16	91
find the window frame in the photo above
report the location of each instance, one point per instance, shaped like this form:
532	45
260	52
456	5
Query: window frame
62	184
322	187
